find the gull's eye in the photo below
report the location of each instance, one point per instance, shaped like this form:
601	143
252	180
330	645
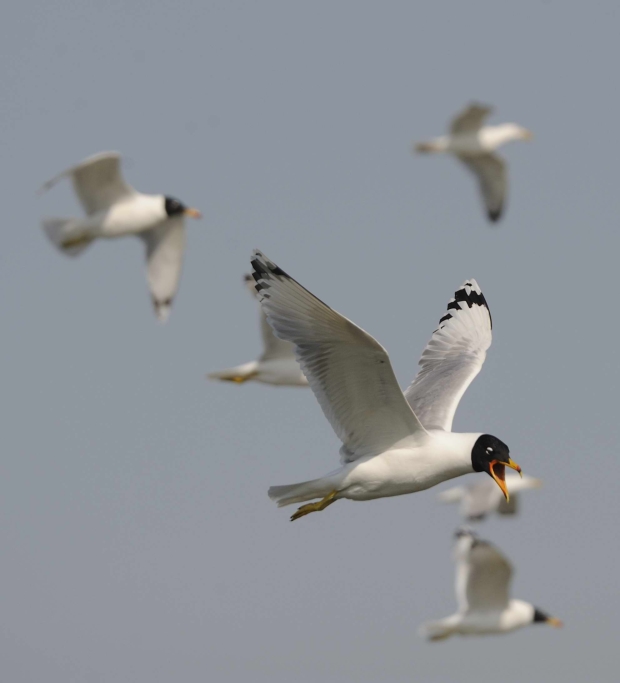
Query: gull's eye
489	450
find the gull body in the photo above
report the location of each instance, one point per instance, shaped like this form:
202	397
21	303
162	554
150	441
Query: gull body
138	213
114	209
482	497
515	615
474	145
408	467
277	364
394	443
483	577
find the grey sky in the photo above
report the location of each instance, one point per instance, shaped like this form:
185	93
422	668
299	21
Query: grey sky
138	541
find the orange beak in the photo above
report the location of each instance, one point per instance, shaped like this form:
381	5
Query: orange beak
497	470
556	623
192	213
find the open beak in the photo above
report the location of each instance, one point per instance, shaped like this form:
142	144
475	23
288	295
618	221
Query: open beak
556	623
497	470
192	213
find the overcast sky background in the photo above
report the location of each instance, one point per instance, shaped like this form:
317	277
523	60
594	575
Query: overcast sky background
139	544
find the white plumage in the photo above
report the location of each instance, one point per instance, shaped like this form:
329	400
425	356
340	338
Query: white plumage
481	497
474	145
387	449
114	209
483	577
277	364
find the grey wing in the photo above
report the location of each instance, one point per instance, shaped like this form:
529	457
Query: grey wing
509	508
470	120
483	575
165	246
348	370
482	498
515	484
97	181
452	358
492	174
272	346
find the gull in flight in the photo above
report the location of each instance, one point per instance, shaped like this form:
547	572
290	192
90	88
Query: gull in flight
475	145
480	498
276	365
483	578
393	442
114	209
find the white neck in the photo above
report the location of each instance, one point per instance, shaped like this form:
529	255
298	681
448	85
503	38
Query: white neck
518	614
455	451
492	137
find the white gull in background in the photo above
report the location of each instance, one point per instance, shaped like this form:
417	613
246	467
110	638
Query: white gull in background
393	442
483	577
475	145
276	365
114	209
481	497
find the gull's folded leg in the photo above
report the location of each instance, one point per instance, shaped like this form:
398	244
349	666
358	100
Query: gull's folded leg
76	241
315	507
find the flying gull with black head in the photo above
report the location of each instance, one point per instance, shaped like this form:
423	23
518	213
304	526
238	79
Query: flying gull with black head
393	442
114	209
483	577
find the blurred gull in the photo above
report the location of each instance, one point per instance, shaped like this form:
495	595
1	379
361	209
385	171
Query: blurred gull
479	498
483	578
393	442
474	145
276	365
114	209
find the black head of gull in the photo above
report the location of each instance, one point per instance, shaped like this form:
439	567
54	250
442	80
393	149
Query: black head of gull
492	456
174	207
541	617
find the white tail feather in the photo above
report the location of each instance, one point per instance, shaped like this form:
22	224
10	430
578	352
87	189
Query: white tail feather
438	630
239	374
67	235
298	493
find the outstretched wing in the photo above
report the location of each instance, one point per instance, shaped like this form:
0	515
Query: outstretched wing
165	245
470	120
348	370
492	174
98	181
483	575
452	358
272	346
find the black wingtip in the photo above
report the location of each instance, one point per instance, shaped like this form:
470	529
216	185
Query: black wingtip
494	216
263	268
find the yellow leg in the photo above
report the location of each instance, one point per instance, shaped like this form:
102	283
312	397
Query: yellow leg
315	507
76	241
240	379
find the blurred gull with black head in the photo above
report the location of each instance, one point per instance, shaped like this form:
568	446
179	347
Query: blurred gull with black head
483	577
474	145
114	209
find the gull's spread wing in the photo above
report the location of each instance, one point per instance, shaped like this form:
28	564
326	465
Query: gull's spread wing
452	358
482	575
470	120
348	370
272	346
98	181
492	175
165	245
